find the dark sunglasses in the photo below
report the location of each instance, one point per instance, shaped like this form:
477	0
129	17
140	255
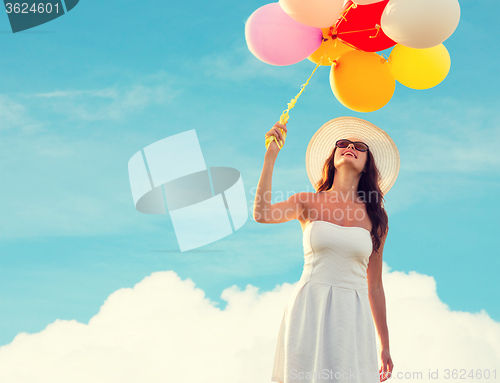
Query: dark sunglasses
358	145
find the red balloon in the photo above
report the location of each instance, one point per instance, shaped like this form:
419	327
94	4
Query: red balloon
358	26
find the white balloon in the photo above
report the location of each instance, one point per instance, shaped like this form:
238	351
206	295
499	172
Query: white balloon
366	2
420	23
315	13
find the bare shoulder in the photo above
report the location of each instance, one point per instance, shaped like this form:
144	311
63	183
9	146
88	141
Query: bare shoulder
309	199
301	197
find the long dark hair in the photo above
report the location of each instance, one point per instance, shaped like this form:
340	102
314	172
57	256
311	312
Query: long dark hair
368	190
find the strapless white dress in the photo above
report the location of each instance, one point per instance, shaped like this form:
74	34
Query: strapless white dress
327	333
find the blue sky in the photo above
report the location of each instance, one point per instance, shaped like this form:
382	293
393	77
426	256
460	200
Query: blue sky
81	94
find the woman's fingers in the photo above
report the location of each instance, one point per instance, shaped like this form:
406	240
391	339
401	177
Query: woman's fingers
279	134
277	127
383	374
391	366
282	126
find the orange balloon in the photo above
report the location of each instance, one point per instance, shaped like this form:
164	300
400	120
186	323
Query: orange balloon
333	46
362	81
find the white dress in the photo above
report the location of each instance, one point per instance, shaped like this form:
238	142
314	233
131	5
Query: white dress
327	333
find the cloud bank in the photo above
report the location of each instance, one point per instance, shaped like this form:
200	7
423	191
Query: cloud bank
164	329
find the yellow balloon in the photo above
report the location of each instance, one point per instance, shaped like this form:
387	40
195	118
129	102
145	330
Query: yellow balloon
334	46
420	68
362	81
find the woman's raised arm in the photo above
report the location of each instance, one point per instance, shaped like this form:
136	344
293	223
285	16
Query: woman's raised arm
263	210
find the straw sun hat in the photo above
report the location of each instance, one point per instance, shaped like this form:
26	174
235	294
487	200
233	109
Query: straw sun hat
380	144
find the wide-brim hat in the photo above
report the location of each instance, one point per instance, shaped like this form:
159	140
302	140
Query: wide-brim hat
381	145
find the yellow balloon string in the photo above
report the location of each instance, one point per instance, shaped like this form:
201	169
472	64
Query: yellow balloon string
344	13
377	28
332	44
291	104
378	31
342	17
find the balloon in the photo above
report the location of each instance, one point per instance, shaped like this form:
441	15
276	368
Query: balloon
334	46
366	2
277	39
362	81
420	68
420	23
315	13
359	25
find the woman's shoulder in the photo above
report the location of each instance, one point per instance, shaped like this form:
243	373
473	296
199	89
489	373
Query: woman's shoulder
303	197
307	197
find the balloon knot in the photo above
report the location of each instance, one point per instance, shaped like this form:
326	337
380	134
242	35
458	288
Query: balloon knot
333	32
377	27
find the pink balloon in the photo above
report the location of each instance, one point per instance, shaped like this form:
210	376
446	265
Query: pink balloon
277	39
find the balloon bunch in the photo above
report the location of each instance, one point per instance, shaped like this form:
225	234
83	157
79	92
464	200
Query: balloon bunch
347	36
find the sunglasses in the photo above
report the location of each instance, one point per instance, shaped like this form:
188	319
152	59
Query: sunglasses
358	145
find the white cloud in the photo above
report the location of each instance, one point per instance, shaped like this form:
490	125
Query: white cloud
113	102
15	116
164	329
106	93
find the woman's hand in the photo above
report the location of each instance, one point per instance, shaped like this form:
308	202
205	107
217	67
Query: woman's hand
387	365
276	132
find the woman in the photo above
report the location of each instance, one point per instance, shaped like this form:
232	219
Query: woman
327	331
